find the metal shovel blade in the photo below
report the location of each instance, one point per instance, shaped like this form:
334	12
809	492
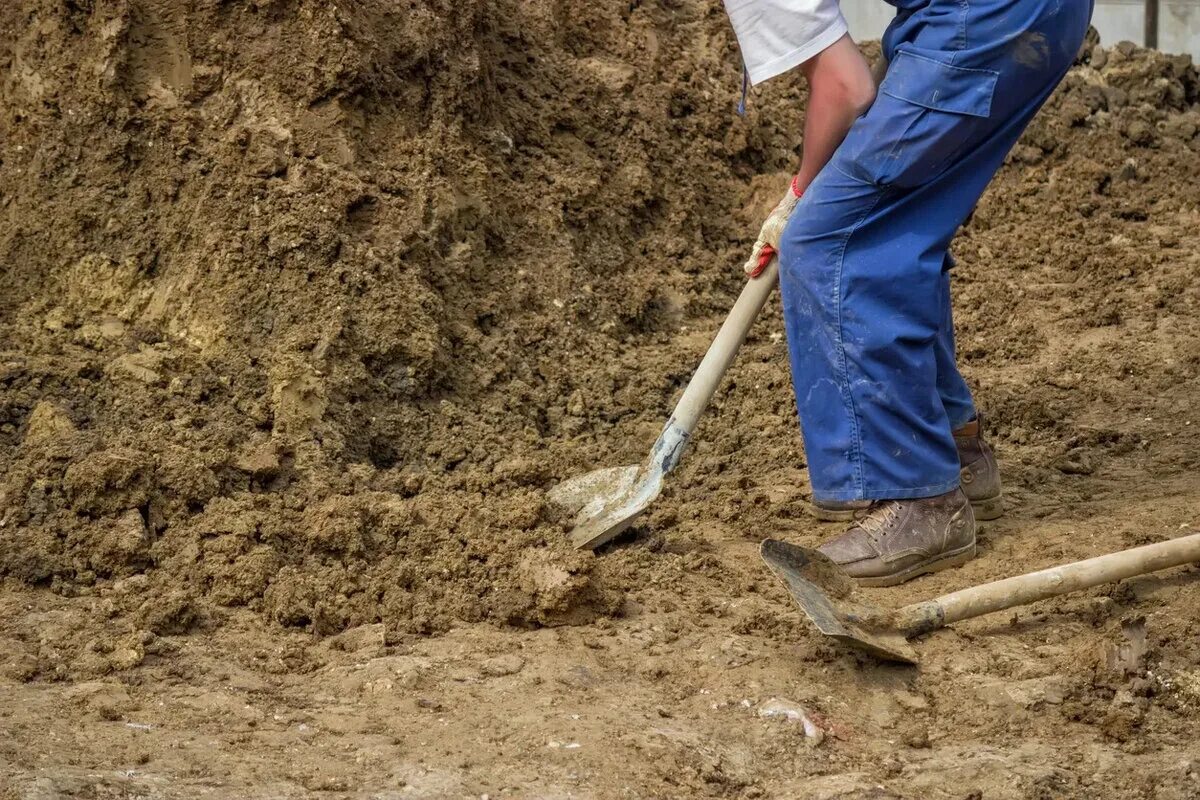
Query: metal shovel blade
607	501
574	494
826	595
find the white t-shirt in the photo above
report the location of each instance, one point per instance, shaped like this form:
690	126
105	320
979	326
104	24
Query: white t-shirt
776	35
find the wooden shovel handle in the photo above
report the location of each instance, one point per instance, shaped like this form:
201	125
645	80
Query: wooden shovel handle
999	595
724	348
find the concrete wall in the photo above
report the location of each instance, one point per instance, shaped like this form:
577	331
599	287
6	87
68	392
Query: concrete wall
1178	22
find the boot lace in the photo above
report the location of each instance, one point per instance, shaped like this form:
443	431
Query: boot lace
879	518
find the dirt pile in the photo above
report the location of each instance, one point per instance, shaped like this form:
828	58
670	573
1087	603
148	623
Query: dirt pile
306	305
296	294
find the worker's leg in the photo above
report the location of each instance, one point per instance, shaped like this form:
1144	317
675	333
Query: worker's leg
863	255
978	472
862	282
952	389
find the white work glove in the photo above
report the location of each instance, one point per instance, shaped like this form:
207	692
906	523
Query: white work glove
767	245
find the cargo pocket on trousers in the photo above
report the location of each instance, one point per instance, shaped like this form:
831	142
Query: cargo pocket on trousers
926	115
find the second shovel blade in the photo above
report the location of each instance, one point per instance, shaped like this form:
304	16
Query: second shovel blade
826	595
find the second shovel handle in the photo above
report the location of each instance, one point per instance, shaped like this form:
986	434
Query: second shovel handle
1022	589
724	348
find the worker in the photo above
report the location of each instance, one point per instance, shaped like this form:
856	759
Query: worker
890	169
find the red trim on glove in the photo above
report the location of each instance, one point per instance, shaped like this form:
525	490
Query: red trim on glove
764	257
767	252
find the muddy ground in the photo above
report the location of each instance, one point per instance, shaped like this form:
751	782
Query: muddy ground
307	305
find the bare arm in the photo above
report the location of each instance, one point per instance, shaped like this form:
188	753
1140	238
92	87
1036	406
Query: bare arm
841	88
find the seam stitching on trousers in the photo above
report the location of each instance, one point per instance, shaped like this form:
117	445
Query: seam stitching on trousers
962	24
847	394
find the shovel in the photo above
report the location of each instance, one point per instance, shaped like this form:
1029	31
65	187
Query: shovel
827	595
608	501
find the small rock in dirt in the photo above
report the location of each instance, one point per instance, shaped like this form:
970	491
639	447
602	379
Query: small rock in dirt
130	534
118	544
47	422
260	461
1023	694
1076	462
521	471
915	736
109	481
500	666
911	701
359	638
1128	170
126	657
109	701
268	151
170	614
21	667
1116	97
1026	154
578	676
1182	126
576	406
57	319
1140	133
17	661
143	366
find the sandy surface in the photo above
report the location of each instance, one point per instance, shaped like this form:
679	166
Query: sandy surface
306	307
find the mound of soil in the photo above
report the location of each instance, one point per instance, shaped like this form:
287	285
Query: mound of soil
308	304
296	294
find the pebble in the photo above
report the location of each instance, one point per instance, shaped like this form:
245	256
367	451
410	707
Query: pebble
500	666
911	701
1139	132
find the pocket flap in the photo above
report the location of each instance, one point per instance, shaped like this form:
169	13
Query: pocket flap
942	87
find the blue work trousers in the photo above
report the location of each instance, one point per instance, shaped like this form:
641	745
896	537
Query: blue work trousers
864	259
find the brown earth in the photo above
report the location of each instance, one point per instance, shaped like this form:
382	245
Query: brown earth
307	305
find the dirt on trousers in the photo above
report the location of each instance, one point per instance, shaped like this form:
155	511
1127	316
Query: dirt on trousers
306	305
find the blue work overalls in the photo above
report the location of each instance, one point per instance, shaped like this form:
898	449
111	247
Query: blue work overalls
864	259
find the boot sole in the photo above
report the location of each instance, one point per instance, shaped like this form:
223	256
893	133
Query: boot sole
830	515
955	558
985	510
988	508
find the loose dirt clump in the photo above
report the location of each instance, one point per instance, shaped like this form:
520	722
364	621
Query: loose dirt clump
307	305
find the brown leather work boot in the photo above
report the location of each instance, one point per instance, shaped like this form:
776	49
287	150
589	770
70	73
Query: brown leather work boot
897	540
979	476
